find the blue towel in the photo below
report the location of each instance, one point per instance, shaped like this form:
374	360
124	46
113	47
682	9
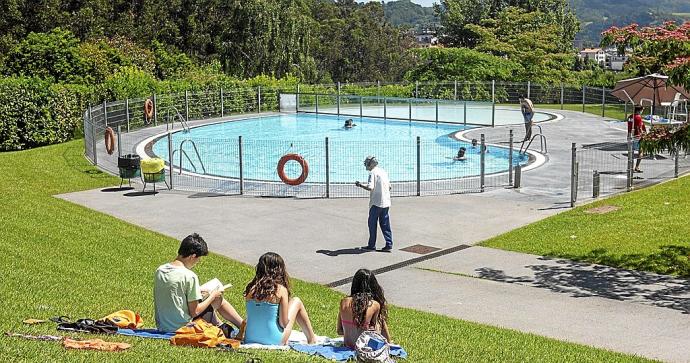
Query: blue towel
340	353
146	333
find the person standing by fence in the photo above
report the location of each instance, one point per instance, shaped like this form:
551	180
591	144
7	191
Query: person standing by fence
636	129
379	187
527	108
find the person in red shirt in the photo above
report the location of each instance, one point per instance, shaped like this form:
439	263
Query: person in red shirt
636	129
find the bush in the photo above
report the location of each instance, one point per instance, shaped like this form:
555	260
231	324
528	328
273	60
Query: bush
36	113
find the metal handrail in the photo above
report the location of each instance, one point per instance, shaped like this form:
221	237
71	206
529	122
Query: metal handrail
542	142
188	159
180	118
197	155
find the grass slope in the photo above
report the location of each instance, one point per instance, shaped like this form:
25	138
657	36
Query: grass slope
57	258
649	232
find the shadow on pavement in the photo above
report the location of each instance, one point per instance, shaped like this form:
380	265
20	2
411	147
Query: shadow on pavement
343	251
586	280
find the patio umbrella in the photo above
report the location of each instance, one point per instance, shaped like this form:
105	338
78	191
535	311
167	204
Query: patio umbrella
653	87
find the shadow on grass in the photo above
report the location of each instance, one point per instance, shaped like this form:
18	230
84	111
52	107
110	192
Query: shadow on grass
583	279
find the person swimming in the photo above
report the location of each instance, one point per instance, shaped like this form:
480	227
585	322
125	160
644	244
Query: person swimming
349	124
461	154
474	143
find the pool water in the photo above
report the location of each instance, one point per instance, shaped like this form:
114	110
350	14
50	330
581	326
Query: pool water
393	142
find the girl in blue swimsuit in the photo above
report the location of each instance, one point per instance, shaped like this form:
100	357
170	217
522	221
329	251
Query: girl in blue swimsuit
271	311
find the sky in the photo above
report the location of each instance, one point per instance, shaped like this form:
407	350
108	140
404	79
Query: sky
420	2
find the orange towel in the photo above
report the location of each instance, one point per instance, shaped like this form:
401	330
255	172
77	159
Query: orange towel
95	344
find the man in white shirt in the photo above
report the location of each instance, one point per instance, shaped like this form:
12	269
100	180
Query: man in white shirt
379	187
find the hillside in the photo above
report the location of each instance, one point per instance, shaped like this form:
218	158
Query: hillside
405	13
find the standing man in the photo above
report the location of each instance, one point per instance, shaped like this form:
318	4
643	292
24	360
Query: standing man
527	109
379	187
636	129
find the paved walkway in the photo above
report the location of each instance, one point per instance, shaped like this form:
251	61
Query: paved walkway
624	311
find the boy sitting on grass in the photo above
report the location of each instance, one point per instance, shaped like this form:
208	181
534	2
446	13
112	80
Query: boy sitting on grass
177	296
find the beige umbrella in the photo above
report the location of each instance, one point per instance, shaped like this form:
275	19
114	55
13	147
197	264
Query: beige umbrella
653	87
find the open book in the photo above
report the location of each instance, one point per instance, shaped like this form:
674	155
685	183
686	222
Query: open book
211	286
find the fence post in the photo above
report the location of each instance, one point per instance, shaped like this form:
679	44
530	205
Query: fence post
455	90
529	89
378	88
361	106
464	112
675	164
127	112
510	157
105	113
328	174
186	105
416	89
518	176
409	109
482	164
119	131
595	184
222	103
603	102
385	114
436	111
419	165
258	99
93	138
562	95
573	175
338	98
155	110
630	164
239	151
170	159
296	100
583	98
493	103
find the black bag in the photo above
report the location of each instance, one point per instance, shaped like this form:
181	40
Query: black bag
89	326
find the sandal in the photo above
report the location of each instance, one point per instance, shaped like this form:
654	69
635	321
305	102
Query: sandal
60	319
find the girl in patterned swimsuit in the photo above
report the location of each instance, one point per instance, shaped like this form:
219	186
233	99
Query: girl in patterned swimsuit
364	309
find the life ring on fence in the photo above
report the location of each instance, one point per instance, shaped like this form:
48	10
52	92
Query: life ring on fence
302	162
109	140
148	109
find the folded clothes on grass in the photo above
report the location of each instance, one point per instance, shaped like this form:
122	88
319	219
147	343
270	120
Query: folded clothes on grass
146	333
95	344
296	337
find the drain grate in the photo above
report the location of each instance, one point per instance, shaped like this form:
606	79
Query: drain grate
420	249
402	264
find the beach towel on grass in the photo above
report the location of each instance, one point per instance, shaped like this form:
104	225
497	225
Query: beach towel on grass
334	350
146	333
296	337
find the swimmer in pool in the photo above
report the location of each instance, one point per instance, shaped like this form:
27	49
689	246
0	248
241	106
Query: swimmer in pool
461	154
349	124
474	143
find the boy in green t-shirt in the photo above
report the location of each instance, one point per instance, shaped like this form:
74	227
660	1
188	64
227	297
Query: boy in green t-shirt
176	294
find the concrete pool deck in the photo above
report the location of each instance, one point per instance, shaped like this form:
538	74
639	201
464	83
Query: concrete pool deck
635	313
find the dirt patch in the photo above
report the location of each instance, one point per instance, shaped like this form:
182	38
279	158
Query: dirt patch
603	209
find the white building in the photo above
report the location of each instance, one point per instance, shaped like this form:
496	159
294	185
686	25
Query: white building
597	55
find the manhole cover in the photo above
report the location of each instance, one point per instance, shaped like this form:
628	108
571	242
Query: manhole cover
420	249
603	209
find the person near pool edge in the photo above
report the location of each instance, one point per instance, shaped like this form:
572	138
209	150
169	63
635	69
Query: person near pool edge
527	108
379	187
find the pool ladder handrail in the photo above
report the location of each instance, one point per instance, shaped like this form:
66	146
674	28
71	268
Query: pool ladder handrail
180	119
542	142
182	152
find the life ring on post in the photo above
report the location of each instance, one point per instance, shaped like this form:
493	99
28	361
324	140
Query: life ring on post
109	140
148	109
302	162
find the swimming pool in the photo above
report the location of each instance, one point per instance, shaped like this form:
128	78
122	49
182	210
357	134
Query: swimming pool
393	142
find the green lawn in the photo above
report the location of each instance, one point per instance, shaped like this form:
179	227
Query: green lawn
57	258
649	232
616	112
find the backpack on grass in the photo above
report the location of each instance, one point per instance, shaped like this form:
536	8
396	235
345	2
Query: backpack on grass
372	347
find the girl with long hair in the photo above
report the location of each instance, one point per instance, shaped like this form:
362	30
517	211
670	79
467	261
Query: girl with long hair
271	311
364	309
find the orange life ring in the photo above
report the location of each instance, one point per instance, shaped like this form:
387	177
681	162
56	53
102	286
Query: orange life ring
148	109
109	140
302	162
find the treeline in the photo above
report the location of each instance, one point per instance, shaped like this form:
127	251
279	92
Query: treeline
314	40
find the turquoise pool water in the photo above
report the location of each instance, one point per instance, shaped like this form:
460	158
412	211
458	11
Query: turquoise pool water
393	142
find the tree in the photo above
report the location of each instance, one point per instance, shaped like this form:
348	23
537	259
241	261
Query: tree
657	49
443	64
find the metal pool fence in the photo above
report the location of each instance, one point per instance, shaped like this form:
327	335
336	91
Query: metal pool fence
202	165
